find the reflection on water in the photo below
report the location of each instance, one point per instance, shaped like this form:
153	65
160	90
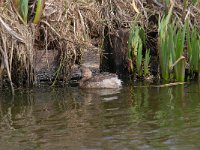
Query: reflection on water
129	118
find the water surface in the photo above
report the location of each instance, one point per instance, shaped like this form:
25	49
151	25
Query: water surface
129	118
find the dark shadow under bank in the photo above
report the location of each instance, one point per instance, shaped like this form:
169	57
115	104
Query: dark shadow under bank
114	58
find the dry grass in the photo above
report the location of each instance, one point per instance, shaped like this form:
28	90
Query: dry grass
16	45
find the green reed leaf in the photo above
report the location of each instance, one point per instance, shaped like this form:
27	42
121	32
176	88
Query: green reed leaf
39	11
24	10
146	62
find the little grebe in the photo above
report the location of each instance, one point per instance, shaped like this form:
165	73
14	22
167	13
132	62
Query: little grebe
102	80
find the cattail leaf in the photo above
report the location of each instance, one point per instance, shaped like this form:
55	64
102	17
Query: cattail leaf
24	10
39	11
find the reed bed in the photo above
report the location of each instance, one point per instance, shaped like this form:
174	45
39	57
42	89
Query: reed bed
173	46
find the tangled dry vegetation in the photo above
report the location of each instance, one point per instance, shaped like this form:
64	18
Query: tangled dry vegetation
69	26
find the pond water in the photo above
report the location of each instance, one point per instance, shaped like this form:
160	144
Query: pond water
129	118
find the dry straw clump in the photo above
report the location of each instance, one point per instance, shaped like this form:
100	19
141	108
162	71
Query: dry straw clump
71	22
66	26
69	27
16	46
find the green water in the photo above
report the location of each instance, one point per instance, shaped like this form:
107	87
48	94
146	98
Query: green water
74	119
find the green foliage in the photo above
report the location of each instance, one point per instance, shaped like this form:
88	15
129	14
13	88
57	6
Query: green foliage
194	2
164	47
39	10
171	52
146	62
24	10
22	7
135	45
171	46
193	45
167	2
139	57
178	40
171	43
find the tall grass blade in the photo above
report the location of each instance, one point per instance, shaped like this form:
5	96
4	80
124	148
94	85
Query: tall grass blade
146	62
164	51
39	11
139	58
179	42
193	48
130	56
135	46
24	10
